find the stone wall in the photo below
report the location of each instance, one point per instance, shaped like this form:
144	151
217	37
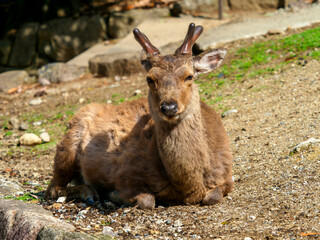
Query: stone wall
60	39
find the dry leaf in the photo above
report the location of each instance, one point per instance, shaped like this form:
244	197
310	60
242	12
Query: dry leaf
304	234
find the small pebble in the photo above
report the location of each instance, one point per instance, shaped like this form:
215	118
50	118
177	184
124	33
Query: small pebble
108	230
117	78
114	85
61	199
177	223
14	121
23	126
30	139
229	112
82	100
44	81
65	94
36	101
137	92
56	206
38	123
109	102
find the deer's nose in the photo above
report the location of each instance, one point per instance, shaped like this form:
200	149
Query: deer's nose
169	108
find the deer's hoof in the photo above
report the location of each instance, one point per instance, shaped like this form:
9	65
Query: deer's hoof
145	201
90	200
213	196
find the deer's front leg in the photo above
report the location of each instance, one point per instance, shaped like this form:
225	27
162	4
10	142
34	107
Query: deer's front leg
83	192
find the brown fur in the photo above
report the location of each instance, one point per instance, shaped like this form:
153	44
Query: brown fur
143	154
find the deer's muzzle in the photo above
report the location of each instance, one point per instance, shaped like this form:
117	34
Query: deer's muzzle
169	108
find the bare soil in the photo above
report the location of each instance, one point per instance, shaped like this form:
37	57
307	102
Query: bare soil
276	195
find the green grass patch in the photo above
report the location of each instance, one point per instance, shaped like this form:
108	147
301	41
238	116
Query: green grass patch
8	133
119	98
27	197
255	60
259	59
44	147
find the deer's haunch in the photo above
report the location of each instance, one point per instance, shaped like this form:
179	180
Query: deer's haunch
170	147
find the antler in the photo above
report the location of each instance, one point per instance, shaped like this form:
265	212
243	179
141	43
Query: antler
145	42
192	35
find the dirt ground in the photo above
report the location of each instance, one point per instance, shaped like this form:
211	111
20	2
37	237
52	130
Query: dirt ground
276	195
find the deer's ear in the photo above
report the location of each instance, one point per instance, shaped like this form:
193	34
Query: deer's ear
208	61
144	61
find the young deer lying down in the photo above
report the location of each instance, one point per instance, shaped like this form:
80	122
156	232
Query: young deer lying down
170	147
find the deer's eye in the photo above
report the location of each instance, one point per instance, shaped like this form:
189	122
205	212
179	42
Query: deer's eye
149	80
190	77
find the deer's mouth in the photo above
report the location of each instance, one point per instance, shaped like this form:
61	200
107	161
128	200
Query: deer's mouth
171	118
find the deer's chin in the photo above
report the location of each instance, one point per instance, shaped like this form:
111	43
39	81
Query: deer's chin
174	119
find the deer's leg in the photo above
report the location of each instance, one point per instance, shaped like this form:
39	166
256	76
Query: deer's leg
142	200
65	166
83	192
228	187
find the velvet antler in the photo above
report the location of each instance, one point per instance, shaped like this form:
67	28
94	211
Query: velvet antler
192	35
145	42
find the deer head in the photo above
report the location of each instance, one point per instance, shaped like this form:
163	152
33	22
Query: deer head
171	77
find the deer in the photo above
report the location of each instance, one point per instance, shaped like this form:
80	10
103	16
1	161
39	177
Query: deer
169	148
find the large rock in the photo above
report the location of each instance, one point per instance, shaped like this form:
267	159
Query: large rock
24	46
8	188
110	65
54	233
123	63
20	220
60	72
202	5
121	23
5	48
11	79
255	5
29	139
62	39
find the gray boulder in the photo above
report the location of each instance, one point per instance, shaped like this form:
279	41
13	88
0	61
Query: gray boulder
255	5
54	233
62	39
121	23
5	48
120	64
123	63
11	79
20	220
206	6
24	47
60	72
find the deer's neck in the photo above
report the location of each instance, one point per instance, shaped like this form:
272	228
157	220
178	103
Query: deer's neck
183	148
